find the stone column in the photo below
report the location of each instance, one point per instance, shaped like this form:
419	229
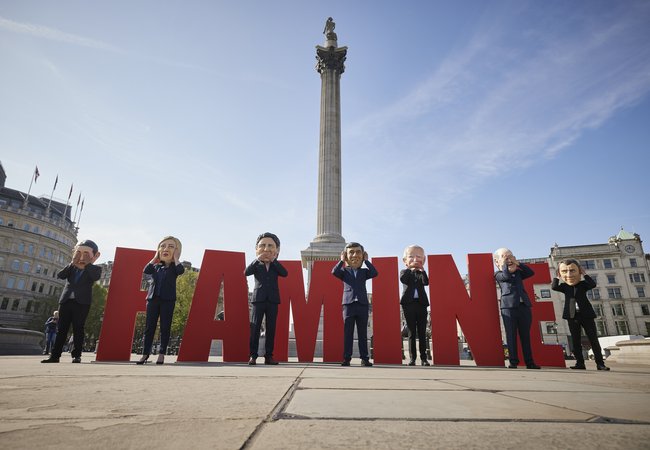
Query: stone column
328	243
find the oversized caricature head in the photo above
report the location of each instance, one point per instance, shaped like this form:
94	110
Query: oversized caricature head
414	257
85	252
569	270
354	255
169	248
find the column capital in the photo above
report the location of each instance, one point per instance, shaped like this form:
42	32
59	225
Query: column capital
330	58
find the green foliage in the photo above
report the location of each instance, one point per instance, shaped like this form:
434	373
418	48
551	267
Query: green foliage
48	306
185	285
96	313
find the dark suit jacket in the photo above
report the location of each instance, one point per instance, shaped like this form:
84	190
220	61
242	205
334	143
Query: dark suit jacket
83	288
163	280
413	280
512	285
266	281
579	292
354	287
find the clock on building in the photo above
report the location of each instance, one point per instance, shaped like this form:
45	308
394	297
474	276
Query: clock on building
629	248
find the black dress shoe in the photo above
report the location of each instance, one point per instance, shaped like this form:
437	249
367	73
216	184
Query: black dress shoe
270	362
579	367
412	362
252	361
602	367
532	366
76	360
366	363
512	366
142	360
425	362
51	359
346	363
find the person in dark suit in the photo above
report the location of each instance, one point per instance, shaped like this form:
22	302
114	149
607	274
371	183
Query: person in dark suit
578	311
161	271
414	300
50	332
266	295
355	299
74	303
515	305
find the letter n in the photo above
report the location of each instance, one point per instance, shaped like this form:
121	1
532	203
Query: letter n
218	268
477	314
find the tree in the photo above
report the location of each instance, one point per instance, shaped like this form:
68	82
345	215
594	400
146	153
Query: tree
47	306
95	316
185	285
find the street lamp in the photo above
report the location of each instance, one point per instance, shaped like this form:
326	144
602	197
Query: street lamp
557	339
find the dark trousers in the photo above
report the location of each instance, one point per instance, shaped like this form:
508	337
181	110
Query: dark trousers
415	314
163	309
261	310
355	314
589	324
517	321
71	313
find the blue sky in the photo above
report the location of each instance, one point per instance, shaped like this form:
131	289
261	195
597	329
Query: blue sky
466	126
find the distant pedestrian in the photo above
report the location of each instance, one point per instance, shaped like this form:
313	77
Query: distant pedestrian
356	306
574	283
515	305
162	271
74	303
50	332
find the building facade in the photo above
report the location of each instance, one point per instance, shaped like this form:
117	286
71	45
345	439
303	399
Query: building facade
36	241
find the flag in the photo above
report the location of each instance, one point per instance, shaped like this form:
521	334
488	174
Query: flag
36	174
70	194
55	182
79	199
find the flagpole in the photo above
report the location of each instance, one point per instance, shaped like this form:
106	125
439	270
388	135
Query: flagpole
82	210
66	202
77	208
30	187
52	194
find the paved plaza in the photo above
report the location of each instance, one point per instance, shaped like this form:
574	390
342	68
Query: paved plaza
312	406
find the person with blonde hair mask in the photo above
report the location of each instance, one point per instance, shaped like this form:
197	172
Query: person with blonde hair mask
162	270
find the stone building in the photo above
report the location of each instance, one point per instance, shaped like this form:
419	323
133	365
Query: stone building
36	241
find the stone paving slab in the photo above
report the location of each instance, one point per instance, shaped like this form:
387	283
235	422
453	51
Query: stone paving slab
395	384
375	404
389	434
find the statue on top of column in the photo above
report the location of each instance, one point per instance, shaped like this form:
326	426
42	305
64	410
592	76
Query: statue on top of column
329	33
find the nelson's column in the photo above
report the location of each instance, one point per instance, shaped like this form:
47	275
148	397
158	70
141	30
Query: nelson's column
328	243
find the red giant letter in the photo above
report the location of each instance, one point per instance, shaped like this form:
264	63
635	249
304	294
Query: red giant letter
218	267
124	301
386	324
478	315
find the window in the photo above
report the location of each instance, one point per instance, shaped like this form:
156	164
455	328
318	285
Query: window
28	308
618	309
41	287
607	263
633	262
593	294
21	284
640	291
45	271
21	247
37	307
34	286
36	229
30	249
601	328
594	277
599	310
645	310
637	277
545	293
551	328
614	293
588	264
27	227
49	292
11	281
38	268
611	279
2	262
15	304
27	266
15	265
5	303
621	327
